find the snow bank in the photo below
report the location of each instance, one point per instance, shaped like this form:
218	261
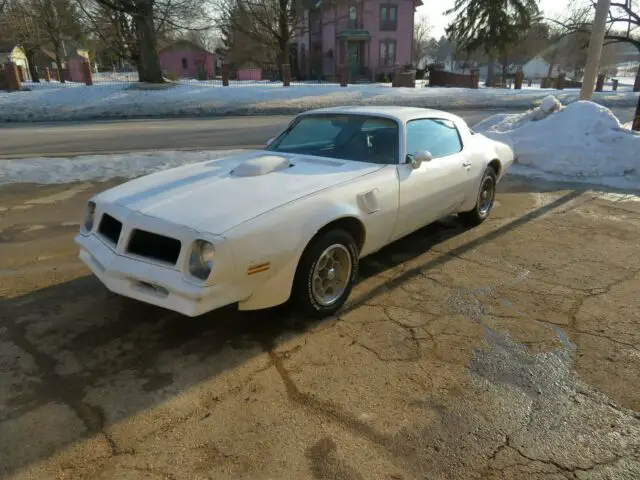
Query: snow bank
45	170
581	142
118	100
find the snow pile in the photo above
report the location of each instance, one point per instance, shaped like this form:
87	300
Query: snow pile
503	121
45	170
581	142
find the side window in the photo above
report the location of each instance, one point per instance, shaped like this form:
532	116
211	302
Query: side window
438	136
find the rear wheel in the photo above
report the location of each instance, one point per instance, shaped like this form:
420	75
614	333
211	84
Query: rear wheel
326	274
484	202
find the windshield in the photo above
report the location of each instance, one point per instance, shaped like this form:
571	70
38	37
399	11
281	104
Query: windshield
360	138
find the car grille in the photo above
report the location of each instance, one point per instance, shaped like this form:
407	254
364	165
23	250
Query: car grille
110	228
154	246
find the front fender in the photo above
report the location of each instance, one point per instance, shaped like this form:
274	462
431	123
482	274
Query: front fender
280	236
281	246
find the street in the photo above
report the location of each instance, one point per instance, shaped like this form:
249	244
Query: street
77	138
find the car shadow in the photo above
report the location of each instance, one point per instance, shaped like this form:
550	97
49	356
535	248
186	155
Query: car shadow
83	340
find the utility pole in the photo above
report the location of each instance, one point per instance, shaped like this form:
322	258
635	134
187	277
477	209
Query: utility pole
636	119
595	49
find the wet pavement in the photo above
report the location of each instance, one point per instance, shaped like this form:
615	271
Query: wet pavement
508	351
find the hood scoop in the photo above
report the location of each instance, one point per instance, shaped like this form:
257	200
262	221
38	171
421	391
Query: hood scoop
261	166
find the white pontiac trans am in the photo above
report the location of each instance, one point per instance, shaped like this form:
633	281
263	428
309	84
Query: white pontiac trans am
290	221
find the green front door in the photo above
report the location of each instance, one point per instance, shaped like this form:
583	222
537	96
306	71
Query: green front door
202	74
354	57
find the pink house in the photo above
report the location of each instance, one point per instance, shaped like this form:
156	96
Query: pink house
76	70
368	36
185	59
249	72
72	62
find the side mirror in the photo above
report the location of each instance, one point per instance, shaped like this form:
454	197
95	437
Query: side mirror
417	158
270	141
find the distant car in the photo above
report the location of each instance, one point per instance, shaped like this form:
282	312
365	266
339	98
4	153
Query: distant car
292	220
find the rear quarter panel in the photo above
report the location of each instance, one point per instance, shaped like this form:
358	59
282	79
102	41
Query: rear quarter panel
483	150
281	235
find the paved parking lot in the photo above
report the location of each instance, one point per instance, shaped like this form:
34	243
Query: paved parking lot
509	351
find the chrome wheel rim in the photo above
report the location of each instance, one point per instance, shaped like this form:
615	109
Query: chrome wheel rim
331	274
485	199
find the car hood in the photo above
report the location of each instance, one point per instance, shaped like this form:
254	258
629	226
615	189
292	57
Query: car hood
217	195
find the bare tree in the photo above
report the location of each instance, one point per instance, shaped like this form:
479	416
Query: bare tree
421	36
203	38
130	28
272	25
626	12
114	37
19	26
34	24
59	22
141	13
267	23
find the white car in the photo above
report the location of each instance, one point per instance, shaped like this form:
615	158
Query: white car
290	221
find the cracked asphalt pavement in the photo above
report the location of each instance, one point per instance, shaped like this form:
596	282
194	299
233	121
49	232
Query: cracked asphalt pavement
508	351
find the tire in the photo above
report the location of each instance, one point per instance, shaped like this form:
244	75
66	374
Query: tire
306	287
484	205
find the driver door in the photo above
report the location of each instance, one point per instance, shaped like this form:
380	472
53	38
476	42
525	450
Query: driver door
437	187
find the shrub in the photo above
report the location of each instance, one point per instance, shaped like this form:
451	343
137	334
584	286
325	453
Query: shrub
382	78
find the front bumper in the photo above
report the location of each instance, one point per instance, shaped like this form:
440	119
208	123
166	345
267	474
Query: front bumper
150	283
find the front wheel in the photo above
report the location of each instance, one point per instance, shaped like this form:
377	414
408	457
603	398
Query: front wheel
326	274
484	202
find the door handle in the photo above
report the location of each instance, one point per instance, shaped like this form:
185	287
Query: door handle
466	163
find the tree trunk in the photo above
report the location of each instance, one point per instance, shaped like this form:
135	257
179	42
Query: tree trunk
552	62
33	70
59	63
149	68
283	30
491	71
137	61
636	118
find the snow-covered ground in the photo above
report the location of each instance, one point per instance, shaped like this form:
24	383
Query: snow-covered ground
44	170
582	142
126	100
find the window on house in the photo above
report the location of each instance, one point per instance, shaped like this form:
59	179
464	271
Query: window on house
315	21
388	17
184	63
387	53
353	17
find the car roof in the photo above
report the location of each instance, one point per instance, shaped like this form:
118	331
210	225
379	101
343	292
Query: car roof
402	114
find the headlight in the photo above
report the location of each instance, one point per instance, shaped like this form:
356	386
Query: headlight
201	259
89	216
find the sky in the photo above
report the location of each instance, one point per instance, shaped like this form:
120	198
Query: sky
432	9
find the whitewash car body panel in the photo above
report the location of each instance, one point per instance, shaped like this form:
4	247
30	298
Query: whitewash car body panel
260	225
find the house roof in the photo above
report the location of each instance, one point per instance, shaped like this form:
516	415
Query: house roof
48	53
6	48
72	52
163	45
